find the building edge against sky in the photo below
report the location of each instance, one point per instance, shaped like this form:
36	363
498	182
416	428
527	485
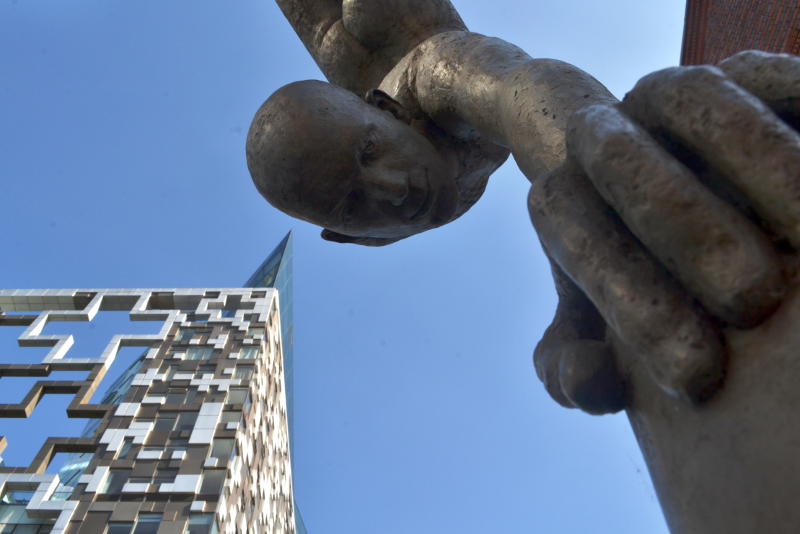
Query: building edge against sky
275	271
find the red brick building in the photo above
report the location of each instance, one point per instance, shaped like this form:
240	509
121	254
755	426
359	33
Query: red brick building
715	29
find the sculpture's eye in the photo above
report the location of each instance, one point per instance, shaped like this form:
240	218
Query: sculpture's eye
368	153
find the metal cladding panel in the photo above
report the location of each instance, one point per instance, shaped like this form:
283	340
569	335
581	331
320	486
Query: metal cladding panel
196	433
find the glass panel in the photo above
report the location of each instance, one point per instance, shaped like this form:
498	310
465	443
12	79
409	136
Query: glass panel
181	395
222	449
186	420
115	480
171	371
13	513
198	353
231	416
212	482
184	334
248	353
175	397
174	448
199	524
165	475
17	497
126	448
237	395
147	524
244	372
119	528
165	421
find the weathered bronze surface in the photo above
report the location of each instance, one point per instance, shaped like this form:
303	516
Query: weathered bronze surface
671	219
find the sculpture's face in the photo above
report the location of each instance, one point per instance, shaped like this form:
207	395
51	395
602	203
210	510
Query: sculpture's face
321	154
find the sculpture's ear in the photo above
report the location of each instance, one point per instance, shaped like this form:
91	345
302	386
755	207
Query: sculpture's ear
381	100
330	235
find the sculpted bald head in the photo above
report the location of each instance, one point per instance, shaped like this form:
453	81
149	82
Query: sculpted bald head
321	154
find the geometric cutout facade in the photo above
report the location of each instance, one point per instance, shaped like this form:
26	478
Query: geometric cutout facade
193	438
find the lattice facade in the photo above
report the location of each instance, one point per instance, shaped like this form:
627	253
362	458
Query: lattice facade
198	442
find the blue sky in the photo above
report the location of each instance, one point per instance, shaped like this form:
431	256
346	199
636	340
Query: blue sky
122	128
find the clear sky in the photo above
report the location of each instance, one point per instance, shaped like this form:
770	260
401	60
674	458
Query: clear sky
122	129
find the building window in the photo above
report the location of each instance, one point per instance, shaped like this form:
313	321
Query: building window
147	524
184	334
244	372
16	497
198	353
174	447
181	395
212	481
165	422
115	480
186	420
237	395
165	476
171	370
255	332
125	449
175	396
231	416
222	449
200	524
248	353
119	527
26	528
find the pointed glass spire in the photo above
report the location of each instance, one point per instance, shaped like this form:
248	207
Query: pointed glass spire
276	271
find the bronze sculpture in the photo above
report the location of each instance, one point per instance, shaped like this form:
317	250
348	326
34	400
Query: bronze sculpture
675	212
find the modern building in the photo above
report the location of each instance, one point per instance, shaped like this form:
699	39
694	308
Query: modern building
716	29
192	438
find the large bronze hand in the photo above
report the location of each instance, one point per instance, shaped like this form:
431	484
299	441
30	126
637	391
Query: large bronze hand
677	214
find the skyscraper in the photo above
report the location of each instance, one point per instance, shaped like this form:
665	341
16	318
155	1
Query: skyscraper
716	29
193	437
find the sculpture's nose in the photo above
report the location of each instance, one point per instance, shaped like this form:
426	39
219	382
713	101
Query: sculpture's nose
389	185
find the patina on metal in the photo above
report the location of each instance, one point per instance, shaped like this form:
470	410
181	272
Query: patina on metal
671	220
